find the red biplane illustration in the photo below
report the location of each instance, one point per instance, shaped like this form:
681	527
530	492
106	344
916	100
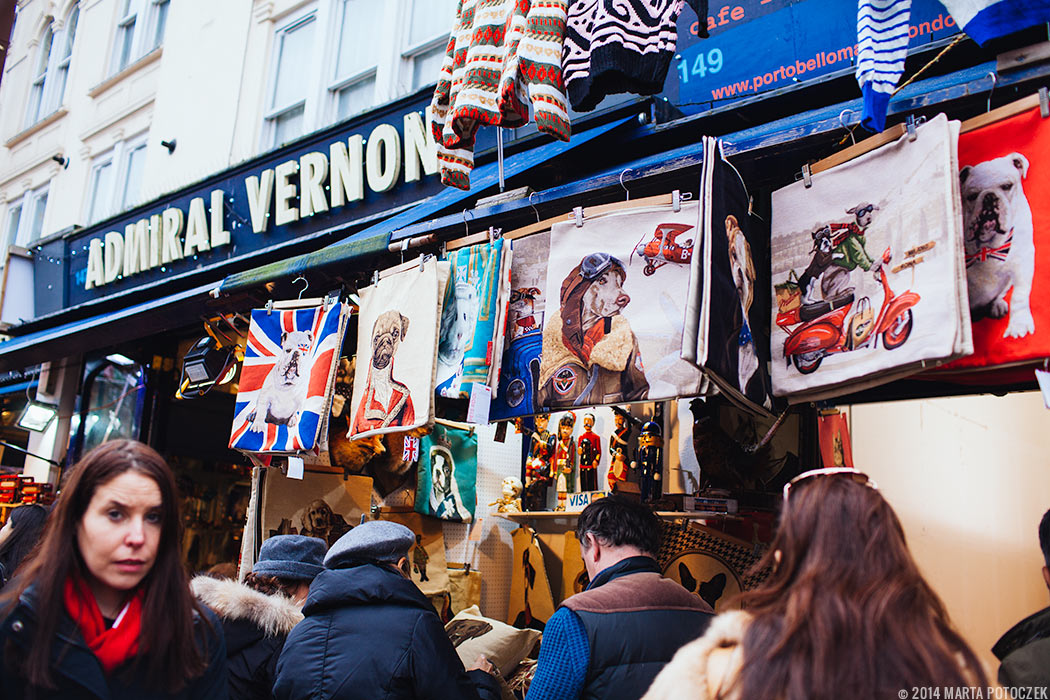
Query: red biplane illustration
662	247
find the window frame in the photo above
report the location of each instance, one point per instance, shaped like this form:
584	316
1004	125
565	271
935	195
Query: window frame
118	158
146	21
392	73
28	203
45	97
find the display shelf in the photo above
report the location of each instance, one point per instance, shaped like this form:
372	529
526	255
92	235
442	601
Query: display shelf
554	515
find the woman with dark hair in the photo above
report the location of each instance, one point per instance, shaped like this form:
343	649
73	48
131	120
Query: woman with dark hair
103	609
18	536
845	612
257	615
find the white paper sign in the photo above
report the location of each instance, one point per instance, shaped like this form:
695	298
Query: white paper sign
1043	377
295	468
480	401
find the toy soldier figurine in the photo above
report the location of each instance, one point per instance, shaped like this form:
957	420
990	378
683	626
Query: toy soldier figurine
618	450
650	460
590	454
538	466
565	459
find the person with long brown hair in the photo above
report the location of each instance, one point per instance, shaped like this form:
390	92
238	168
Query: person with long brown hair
103	608
844	613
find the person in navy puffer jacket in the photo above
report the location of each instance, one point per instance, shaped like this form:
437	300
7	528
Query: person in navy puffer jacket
370	634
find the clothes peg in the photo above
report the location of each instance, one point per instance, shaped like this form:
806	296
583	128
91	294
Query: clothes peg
807	176
577	215
676	201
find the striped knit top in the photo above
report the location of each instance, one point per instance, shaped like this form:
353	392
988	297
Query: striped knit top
882	46
503	58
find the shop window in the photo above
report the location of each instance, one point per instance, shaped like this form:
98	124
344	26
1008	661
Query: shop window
25	218
287	102
116	179
140	29
51	71
115	398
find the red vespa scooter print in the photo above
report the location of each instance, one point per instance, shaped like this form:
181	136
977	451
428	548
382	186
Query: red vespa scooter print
844	325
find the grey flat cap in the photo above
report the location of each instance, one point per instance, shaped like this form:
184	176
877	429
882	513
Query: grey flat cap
293	557
375	540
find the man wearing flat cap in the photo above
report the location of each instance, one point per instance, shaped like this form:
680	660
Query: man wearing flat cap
590	354
370	633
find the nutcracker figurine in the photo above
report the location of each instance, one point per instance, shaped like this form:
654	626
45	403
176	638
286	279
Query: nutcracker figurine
590	454
650	460
538	466
618	450
565	459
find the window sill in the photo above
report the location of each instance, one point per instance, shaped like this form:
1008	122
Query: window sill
152	57
43	123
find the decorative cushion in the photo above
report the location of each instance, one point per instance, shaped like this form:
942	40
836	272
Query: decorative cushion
504	646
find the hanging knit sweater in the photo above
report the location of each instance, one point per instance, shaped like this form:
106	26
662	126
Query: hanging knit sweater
882	46
503	57
613	46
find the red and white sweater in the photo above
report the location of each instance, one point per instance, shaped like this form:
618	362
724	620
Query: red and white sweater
503	57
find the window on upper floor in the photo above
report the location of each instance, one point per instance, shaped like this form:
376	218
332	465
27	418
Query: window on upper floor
116	178
140	29
51	70
367	52
25	218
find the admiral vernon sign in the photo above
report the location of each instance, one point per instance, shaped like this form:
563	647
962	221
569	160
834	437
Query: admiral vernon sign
306	187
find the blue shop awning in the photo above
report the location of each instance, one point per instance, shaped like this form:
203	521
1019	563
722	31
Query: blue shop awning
106	329
19	388
375	238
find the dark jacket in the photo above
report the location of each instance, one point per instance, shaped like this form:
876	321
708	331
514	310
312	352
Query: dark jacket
635	622
79	675
1025	652
369	634
255	626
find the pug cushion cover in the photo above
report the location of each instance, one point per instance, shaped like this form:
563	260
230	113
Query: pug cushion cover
396	352
448	470
867	269
468	319
1005	185
289	367
614	309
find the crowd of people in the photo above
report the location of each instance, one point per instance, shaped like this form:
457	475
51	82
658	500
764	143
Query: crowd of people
96	604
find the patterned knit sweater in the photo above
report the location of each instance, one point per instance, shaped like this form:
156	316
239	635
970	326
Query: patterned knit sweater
613	46
503	56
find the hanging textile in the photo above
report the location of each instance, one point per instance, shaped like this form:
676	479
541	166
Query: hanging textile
469	316
519	372
836	450
709	563
429	570
882	290
286	382
1005	183
503	57
989	19
448	474
613	324
613	47
321	505
531	603
725	325
397	351
882	46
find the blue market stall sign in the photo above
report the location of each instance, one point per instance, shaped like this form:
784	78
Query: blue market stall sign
330	178
760	46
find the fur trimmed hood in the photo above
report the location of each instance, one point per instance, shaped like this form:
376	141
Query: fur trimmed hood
276	615
692	672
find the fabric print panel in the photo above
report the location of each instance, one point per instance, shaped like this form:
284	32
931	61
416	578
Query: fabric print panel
289	364
396	351
615	309
429	570
520	369
1005	185
867	268
468	319
448	473
321	505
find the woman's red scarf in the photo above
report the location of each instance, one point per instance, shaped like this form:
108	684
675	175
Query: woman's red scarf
112	646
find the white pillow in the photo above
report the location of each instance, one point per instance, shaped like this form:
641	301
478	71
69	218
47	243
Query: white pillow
504	646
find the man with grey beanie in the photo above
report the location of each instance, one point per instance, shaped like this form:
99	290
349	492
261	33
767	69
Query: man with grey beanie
370	634
257	615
